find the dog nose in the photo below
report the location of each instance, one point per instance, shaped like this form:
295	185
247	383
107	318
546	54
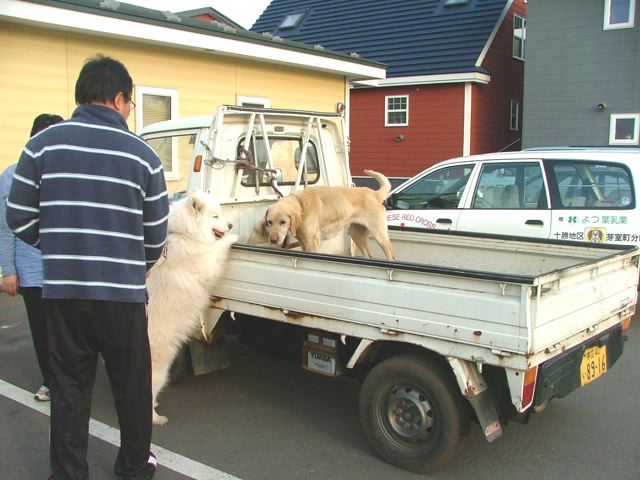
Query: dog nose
230	226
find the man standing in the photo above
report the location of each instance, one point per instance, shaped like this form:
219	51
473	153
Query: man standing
92	196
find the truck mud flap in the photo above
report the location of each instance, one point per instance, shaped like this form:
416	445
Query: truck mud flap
578	366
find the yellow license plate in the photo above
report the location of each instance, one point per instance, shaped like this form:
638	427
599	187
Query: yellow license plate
593	365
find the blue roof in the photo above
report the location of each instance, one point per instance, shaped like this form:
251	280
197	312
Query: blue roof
412	37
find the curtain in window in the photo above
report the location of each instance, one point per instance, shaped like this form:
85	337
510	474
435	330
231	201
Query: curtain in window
157	108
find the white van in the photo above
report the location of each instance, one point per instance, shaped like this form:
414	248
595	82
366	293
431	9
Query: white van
576	194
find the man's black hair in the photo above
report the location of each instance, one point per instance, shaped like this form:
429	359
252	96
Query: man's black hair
101	79
43	121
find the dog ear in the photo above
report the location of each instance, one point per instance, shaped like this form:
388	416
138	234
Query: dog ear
263	226
196	203
294	223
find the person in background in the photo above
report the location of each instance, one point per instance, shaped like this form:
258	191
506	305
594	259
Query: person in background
22	269
93	197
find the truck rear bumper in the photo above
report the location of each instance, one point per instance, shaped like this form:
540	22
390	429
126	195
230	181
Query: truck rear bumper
563	374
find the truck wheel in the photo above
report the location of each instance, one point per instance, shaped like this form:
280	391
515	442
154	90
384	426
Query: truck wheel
412	412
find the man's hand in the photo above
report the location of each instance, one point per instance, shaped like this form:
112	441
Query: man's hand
10	284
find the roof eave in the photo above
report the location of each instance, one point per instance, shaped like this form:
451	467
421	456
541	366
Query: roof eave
467	77
69	19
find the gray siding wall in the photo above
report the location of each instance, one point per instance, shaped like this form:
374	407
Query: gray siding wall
572	65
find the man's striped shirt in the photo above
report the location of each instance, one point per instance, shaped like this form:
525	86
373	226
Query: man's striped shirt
92	196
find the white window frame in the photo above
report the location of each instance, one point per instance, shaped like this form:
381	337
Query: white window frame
140	91
514	120
519	34
607	25
243	100
634	140
387	111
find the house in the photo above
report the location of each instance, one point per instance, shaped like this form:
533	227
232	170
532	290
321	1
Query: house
454	78
582	81
182	65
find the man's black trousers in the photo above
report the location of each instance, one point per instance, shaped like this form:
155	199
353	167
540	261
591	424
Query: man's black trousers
79	330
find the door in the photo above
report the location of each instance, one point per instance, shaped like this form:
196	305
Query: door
509	198
593	201
431	201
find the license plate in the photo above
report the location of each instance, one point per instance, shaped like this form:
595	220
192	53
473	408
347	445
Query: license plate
593	365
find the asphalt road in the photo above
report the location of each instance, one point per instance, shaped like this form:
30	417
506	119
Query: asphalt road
265	418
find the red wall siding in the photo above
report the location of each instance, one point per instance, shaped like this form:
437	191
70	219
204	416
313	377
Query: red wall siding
436	115
492	103
434	132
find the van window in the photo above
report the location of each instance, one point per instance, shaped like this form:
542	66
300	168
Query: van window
440	189
505	185
592	185
285	160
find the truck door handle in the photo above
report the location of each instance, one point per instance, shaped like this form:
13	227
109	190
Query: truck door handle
534	222
444	220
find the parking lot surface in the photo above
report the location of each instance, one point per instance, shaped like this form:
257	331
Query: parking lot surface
265	418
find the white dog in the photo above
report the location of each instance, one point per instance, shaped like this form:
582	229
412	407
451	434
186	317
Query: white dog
180	285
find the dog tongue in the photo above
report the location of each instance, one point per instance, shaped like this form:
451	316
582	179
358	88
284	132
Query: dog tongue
218	234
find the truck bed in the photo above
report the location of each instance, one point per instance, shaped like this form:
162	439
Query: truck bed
487	299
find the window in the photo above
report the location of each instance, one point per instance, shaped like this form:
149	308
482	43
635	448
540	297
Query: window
181	148
396	111
156	105
515	115
623	129
619	14
592	185
292	21
519	36
285	160
518	185
262	102
440	189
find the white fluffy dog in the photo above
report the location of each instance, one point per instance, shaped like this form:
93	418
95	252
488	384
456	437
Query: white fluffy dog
180	285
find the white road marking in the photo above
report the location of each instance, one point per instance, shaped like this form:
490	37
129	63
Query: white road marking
166	458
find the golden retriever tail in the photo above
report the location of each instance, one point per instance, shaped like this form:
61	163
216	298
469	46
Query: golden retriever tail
385	185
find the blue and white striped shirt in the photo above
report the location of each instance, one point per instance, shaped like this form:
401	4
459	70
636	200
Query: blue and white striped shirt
92	196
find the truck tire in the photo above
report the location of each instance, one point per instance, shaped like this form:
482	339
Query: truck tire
413	413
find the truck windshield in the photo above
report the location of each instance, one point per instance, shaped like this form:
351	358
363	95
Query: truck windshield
176	153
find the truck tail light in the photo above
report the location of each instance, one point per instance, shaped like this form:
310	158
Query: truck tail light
529	386
625	325
197	163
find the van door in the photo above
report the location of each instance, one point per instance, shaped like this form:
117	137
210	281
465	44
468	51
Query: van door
431	201
509	198
592	201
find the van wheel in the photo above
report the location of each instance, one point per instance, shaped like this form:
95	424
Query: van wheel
413	413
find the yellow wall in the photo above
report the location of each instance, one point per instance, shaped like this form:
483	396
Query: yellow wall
38	70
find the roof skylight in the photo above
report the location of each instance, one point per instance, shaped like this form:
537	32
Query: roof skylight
292	20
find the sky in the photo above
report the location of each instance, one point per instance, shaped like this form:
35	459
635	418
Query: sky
243	12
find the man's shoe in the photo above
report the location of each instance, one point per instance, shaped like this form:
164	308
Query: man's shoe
43	394
149	471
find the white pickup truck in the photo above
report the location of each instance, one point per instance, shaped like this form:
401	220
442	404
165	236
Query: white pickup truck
460	327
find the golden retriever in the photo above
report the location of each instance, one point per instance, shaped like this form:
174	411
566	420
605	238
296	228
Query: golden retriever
180	285
320	213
